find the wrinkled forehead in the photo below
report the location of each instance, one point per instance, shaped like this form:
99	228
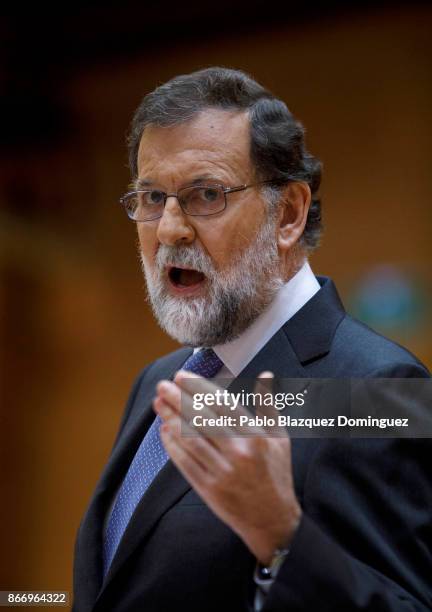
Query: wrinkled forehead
216	131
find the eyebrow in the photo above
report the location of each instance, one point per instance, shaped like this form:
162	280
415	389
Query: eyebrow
144	183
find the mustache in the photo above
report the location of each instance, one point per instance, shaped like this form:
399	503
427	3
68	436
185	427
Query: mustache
190	256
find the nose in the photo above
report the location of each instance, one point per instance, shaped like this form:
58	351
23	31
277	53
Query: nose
174	226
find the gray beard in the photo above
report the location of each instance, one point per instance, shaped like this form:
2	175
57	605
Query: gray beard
234	297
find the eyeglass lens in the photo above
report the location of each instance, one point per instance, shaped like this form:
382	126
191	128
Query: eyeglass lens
198	200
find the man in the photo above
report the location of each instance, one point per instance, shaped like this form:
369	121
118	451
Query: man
224	200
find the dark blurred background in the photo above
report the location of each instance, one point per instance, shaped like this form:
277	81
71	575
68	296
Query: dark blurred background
74	323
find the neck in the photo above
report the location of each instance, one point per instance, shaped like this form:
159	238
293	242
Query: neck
292	261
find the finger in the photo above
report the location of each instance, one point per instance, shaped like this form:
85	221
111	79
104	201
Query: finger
198	478
191	439
192	470
197	446
170	393
213	421
183	404
264	389
168	415
184	400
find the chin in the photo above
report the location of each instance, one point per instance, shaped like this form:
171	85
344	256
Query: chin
196	331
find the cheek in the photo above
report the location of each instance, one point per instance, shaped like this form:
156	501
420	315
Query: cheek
216	239
232	234
148	243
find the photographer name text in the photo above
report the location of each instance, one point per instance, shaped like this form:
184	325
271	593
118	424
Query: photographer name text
280	420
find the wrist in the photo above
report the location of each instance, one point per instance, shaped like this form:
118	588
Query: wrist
270	544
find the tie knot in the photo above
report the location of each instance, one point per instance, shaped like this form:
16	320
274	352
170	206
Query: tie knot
204	362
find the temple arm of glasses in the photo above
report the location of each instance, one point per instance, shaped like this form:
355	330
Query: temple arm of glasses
239	188
246	186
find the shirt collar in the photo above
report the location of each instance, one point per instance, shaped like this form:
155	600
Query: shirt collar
288	300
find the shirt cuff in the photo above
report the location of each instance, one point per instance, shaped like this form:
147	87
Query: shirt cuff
264	583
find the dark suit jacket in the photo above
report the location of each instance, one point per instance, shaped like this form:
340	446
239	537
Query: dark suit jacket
365	539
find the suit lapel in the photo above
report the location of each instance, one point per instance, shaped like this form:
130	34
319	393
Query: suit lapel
276	356
311	330
165	491
305	337
90	538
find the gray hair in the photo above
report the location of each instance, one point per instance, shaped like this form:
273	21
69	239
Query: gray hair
278	149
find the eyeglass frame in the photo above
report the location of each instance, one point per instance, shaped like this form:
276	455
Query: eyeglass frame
225	191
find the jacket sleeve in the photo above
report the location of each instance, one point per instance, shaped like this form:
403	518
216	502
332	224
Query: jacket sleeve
365	538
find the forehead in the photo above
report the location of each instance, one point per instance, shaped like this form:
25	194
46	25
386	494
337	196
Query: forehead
213	139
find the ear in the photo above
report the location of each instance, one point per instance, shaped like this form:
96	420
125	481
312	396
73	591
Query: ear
294	208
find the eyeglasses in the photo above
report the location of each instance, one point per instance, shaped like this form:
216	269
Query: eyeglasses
197	200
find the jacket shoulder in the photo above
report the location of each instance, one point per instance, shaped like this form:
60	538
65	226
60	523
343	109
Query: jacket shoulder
365	352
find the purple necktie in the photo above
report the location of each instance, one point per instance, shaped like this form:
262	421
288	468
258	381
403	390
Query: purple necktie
148	461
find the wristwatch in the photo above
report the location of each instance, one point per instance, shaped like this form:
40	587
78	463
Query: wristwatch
269	572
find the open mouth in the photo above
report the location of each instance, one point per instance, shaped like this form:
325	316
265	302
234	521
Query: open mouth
183	278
